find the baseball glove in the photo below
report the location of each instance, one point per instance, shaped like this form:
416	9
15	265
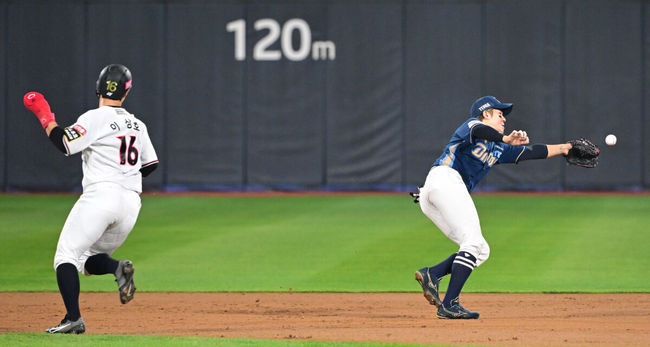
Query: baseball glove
583	153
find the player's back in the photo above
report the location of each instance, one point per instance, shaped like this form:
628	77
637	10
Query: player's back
114	145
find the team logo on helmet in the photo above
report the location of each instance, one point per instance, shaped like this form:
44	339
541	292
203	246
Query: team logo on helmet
111	87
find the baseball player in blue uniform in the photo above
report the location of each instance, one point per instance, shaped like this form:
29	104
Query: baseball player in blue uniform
475	147
116	152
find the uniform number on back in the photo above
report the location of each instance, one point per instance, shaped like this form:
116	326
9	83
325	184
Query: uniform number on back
128	154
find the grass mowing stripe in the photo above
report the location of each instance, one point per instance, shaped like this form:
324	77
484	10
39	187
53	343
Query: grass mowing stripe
566	244
343	243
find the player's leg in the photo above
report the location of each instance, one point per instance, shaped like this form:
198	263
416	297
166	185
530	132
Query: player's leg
473	251
460	271
67	279
98	260
443	268
429	277
437	201
100	264
84	225
453	204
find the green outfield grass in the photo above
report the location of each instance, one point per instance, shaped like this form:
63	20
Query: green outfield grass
157	341
343	243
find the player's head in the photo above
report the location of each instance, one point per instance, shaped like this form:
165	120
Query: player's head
494	118
485	103
114	82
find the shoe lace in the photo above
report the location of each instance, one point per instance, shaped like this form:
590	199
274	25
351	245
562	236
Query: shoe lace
456	302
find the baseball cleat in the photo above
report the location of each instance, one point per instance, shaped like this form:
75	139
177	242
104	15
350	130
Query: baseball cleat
124	279
68	327
455	311
429	286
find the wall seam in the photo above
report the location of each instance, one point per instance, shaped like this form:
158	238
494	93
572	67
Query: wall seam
324	119
165	115
404	161
86	41
5	180
563	54
244	154
484	47
644	130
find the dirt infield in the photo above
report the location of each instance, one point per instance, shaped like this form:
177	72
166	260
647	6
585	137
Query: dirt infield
506	319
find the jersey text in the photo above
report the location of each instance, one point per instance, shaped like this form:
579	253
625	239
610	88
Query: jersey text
482	154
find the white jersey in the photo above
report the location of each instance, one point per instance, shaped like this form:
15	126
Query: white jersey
114	146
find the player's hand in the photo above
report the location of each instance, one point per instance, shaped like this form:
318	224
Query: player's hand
36	103
517	138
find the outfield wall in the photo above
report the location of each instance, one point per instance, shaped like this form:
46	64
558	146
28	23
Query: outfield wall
330	94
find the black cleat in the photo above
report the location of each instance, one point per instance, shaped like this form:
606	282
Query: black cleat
429	286
455	311
68	327
124	279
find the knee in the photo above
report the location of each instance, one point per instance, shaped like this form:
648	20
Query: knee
483	252
60	260
466	258
480	250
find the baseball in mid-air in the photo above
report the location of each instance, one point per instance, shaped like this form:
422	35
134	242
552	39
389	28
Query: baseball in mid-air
610	140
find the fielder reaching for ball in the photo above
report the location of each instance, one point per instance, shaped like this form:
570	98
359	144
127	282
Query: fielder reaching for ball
116	153
477	145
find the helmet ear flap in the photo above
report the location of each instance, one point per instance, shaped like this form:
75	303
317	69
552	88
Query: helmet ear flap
102	73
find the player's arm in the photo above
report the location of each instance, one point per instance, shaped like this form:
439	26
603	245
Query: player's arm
560	149
56	134
485	132
542	151
148	169
148	154
36	103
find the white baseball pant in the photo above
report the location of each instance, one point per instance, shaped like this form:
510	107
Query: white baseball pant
445	200
99	222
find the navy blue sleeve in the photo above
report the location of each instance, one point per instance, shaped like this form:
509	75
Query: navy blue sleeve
485	132
536	151
511	154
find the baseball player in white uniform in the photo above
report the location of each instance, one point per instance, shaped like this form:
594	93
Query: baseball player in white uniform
116	153
478	144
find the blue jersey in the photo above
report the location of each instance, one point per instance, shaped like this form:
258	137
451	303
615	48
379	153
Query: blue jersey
473	157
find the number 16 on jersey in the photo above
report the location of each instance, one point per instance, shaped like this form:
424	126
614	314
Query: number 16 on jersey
129	154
